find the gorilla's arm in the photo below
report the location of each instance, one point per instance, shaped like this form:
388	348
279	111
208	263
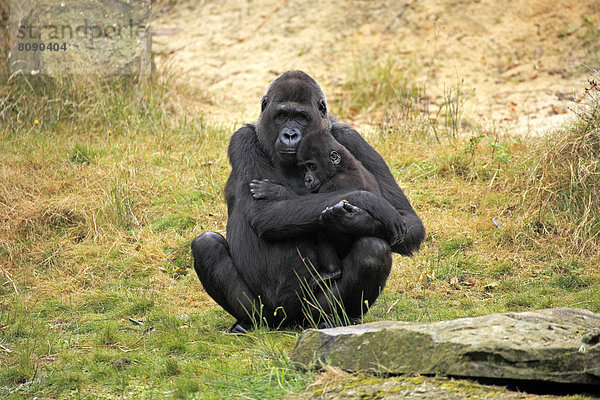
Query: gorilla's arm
372	161
300	215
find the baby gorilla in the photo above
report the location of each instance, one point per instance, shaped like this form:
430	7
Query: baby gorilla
331	167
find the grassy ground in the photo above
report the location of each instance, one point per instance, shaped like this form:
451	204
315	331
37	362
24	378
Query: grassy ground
104	184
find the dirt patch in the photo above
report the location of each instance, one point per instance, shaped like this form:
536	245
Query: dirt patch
520	63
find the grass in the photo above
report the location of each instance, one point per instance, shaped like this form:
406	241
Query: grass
565	182
374	85
103	184
587	36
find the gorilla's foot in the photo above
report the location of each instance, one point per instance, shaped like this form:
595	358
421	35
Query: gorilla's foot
331	275
324	278
239	328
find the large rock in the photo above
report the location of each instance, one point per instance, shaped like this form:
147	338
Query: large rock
555	345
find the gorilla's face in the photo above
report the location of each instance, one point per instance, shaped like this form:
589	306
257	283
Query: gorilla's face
293	107
313	175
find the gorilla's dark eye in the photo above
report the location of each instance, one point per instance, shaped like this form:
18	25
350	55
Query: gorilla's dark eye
301	119
311	165
322	107
263	103
280	117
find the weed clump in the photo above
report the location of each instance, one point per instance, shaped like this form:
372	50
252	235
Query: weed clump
564	187
171	368
374	85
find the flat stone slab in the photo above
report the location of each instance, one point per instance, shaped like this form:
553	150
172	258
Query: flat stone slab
554	345
417	388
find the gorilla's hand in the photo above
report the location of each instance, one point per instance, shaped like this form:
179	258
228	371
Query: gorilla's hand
267	190
347	218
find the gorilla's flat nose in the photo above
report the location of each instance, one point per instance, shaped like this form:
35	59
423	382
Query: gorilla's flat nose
290	137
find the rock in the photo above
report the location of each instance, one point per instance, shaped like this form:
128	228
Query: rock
103	37
120	363
420	387
553	345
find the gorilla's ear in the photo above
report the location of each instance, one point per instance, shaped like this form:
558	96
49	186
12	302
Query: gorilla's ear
322	107
335	157
263	103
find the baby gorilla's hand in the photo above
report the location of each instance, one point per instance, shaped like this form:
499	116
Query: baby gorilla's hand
347	218
266	190
344	217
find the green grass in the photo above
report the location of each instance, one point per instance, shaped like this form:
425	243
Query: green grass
100	198
65	349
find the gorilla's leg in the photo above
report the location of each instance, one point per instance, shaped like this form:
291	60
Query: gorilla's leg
220	279
365	272
369	264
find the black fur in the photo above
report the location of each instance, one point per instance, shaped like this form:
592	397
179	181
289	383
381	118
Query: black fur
255	272
330	167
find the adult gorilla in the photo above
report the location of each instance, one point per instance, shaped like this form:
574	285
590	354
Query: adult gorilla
256	273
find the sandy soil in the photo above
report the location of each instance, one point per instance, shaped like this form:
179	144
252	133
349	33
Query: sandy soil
519	61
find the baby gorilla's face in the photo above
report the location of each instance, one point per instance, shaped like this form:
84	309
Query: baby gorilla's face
311	176
321	169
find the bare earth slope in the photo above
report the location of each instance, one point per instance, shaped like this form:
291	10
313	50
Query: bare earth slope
521	59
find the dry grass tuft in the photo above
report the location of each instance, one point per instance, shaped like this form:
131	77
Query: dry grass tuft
373	86
564	187
328	378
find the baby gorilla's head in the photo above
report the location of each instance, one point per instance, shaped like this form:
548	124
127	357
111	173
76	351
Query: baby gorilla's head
320	160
